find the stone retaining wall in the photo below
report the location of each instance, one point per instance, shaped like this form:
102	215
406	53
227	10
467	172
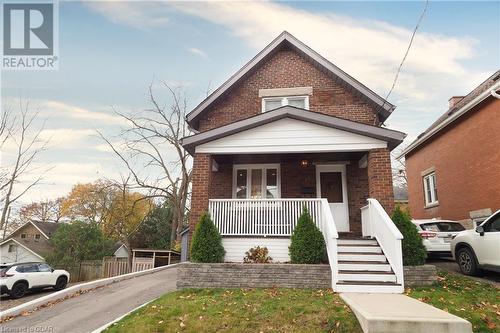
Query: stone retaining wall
239	275
417	276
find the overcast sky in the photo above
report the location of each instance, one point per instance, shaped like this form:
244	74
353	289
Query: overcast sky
111	51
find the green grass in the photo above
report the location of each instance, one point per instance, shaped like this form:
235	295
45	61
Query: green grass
242	310
477	302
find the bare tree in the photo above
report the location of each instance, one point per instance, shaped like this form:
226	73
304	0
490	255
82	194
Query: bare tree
151	150
399	177
24	135
43	211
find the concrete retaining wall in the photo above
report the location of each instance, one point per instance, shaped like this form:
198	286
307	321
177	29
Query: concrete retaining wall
417	276
239	275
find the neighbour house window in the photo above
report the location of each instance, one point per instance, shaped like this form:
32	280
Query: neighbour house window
12	248
430	189
23	236
271	103
256	181
37	237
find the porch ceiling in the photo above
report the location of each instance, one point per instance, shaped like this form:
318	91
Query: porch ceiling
290	129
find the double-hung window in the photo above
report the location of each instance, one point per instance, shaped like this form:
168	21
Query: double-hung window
256	181
430	189
271	103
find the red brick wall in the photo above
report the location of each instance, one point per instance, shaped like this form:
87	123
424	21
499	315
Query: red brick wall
201	180
287	69
466	158
357	193
380	178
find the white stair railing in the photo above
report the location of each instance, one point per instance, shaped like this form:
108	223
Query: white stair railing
331	235
377	223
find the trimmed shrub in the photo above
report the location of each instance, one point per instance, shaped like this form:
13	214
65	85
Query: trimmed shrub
257	255
206	245
414	252
307	242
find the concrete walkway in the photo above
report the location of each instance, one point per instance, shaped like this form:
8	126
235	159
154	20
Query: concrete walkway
389	313
96	308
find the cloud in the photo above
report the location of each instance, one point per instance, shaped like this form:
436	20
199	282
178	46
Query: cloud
135	14
67	137
72	111
197	52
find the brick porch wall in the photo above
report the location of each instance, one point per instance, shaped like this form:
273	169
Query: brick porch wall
201	180
380	178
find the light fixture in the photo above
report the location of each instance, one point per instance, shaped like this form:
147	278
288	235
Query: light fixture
304	163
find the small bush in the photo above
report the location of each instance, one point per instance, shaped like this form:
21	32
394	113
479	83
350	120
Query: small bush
307	242
206	245
257	255
414	252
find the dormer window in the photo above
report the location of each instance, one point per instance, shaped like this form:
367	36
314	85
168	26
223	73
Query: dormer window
271	103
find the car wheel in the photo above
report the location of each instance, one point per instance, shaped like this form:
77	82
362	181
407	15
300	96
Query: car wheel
467	261
61	283
18	290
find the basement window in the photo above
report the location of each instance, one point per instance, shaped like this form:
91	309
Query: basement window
271	103
430	189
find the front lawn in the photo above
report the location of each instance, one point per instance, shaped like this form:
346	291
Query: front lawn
477	302
242	310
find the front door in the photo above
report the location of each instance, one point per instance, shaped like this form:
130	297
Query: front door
331	184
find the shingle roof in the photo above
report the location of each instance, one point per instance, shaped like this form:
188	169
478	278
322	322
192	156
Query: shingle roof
488	83
393	138
48	228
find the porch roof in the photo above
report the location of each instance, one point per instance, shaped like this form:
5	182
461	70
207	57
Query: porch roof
393	138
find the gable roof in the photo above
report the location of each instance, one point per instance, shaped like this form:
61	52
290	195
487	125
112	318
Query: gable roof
28	247
383	107
393	138
45	228
467	103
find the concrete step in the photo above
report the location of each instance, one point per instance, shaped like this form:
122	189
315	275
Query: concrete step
358	241
359	248
379	288
346	265
367	276
361	256
399	313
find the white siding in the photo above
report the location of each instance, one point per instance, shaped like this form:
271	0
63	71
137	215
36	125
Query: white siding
291	135
21	254
121	252
236	248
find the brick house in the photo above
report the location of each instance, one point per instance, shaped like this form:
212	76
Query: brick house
28	243
453	167
289	130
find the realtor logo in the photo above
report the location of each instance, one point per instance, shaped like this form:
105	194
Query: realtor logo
29	36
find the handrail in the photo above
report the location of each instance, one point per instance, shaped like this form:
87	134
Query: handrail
377	223
330	234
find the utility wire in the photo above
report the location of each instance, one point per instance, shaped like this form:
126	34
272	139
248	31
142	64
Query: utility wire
407	51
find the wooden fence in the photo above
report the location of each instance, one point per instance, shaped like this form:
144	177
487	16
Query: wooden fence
112	266
96	269
141	264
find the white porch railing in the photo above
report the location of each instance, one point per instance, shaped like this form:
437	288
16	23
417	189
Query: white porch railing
376	223
261	217
274	217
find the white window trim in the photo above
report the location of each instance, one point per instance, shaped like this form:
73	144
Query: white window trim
263	167
432	201
284	100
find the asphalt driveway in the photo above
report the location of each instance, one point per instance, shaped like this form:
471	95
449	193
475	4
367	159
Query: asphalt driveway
96	308
448	264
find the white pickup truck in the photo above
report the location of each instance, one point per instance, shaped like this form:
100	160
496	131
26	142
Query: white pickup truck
478	249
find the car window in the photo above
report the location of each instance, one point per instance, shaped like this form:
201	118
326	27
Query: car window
27	268
44	268
493	225
443	227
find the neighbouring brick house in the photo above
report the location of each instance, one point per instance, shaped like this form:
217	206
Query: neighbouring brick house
453	168
286	130
28	243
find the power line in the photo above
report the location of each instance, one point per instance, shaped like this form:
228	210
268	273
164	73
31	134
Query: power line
407	51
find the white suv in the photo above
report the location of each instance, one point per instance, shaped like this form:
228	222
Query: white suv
16	279
478	249
437	235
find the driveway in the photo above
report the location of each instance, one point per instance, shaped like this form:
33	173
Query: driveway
448	264
96	308
6	302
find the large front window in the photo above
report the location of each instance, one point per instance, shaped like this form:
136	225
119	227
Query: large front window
256	181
